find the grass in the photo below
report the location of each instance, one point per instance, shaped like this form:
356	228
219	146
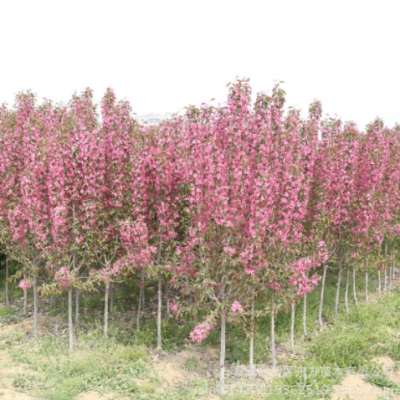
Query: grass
120	364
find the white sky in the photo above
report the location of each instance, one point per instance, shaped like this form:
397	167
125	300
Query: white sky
164	55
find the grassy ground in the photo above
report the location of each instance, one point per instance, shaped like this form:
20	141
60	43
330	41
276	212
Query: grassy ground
126	365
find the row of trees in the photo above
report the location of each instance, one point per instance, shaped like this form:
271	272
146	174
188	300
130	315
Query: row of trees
228	204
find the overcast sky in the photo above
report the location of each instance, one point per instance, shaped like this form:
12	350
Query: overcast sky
164	55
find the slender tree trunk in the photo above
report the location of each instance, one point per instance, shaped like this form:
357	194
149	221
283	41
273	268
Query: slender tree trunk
70	327
111	298
222	354
385	278
354	287
273	358
292	329
142	295
394	269
305	313
106	308
167	298
77	292
251	353
159	313
25	299
366	286
338	287
346	304
321	299
379	283
35	309
51	301
140	301
7	298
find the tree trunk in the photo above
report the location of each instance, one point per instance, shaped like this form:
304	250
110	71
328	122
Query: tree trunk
35	309
366	286
222	355
70	327
379	283
305	313
25	299
51	301
111	298
394	269
292	329
321	300
140	301
7	298
273	359
159	313
77	291
385	278
167	298
251	353
338	287
354	287
347	291
106	308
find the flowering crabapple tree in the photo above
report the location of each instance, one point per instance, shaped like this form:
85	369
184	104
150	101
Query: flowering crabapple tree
24	206
71	182
119	226
164	187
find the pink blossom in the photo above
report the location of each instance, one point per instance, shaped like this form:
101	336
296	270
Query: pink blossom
201	332
63	277
24	284
173	307
236	306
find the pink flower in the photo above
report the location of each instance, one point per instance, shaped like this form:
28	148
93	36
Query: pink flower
173	307
24	285
201	332
63	277
230	251
168	267
236	306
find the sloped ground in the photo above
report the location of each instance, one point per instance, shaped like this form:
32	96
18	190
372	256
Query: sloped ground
126	366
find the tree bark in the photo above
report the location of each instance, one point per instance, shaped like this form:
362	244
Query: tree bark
251	353
354	287
70	327
394	269
35	309
51	301
347	290
305	312
366	286
292	328
385	278
25	299
111	298
379	283
321	300
7	298
106	308
338	287
140	301
273	358
77	291
159	313
167	298
222	355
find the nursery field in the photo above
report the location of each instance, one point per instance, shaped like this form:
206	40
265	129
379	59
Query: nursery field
239	251
355	356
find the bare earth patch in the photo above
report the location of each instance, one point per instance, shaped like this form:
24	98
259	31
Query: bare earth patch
45	324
